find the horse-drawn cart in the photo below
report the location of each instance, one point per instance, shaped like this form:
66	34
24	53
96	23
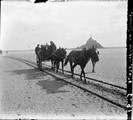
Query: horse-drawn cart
55	57
43	55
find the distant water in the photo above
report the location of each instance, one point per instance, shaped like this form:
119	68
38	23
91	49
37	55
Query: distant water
111	67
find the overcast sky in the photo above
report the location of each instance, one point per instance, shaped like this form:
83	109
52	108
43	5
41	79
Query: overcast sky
68	24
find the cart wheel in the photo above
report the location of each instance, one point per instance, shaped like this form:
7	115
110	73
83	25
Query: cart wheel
39	63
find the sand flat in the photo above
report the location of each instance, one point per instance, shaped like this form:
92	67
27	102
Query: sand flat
27	92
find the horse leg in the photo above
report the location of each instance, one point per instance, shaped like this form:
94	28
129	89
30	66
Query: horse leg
58	64
62	67
93	63
71	69
54	65
82	71
84	77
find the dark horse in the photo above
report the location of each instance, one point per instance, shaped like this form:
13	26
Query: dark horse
56	57
81	58
60	56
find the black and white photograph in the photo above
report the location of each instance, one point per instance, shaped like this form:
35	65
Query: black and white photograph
63	59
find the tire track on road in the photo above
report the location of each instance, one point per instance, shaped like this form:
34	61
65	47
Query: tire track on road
63	78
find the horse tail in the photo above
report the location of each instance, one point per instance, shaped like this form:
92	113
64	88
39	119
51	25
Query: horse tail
66	61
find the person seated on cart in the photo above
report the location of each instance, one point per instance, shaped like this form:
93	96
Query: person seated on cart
47	46
37	49
44	50
52	48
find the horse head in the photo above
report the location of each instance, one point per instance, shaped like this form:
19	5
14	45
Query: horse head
61	53
94	55
64	53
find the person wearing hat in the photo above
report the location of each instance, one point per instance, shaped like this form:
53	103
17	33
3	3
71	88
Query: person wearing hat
52	47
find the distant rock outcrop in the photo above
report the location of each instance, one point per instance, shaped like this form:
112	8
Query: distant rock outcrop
38	1
90	43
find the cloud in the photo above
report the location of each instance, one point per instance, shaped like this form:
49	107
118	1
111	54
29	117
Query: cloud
68	24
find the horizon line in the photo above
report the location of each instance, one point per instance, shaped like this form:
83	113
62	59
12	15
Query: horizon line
66	48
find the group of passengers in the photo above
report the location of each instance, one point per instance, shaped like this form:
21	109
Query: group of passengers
48	49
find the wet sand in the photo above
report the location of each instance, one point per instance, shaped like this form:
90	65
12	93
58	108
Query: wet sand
27	92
